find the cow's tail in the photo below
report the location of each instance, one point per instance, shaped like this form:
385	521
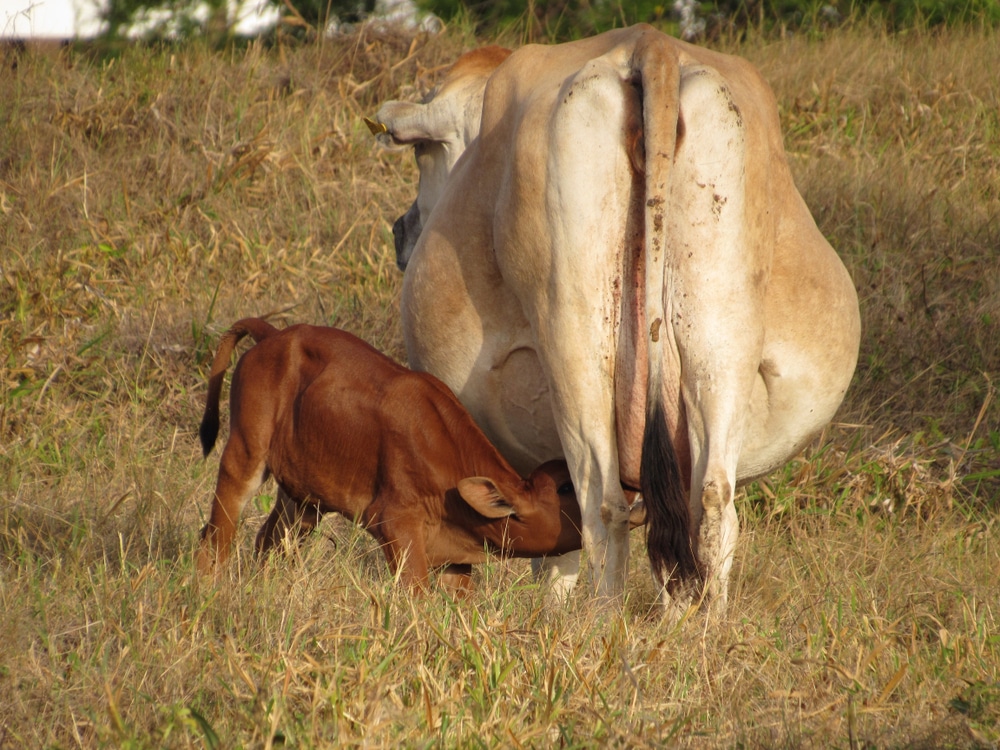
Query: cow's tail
668	533
259	329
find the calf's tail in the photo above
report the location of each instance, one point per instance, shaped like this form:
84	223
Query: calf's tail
259	329
668	533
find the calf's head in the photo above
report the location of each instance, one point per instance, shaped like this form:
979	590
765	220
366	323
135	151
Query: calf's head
439	129
540	516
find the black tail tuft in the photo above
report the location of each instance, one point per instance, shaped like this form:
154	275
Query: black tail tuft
208	431
668	532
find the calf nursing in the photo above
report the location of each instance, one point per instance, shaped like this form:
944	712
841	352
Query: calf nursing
343	428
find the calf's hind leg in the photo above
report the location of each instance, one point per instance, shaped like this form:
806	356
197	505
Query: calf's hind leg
286	514
240	474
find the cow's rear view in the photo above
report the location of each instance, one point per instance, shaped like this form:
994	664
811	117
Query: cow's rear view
619	270
343	428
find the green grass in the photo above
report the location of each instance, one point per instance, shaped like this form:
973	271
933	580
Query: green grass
149	200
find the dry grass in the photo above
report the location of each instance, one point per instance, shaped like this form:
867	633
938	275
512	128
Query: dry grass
148	201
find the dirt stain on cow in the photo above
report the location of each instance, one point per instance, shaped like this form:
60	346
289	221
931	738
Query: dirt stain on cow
656	203
736	111
718	201
654	329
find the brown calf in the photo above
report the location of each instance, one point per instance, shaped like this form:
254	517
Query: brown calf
343	428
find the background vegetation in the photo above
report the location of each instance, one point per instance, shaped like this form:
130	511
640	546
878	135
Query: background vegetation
213	19
566	19
560	20
150	199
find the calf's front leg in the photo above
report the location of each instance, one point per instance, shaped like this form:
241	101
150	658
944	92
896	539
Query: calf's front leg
456	579
405	551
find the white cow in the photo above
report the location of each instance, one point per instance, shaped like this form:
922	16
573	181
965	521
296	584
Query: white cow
620	271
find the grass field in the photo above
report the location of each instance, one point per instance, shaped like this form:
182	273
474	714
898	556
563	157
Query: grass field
149	200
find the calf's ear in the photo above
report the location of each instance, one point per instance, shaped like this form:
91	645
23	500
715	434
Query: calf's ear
485	497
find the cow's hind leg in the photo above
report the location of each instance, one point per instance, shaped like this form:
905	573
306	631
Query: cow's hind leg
714	515
720	263
559	573
575	320
717	535
240	474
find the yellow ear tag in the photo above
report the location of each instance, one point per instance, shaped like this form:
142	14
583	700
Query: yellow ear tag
377	128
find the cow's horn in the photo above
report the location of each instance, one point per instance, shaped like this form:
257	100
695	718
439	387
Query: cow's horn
377	128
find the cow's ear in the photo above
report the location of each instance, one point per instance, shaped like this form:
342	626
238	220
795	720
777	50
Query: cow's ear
485	497
405	122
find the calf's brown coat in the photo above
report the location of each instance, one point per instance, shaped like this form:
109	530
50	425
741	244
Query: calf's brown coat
343	428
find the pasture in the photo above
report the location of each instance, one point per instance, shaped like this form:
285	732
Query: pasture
150	199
